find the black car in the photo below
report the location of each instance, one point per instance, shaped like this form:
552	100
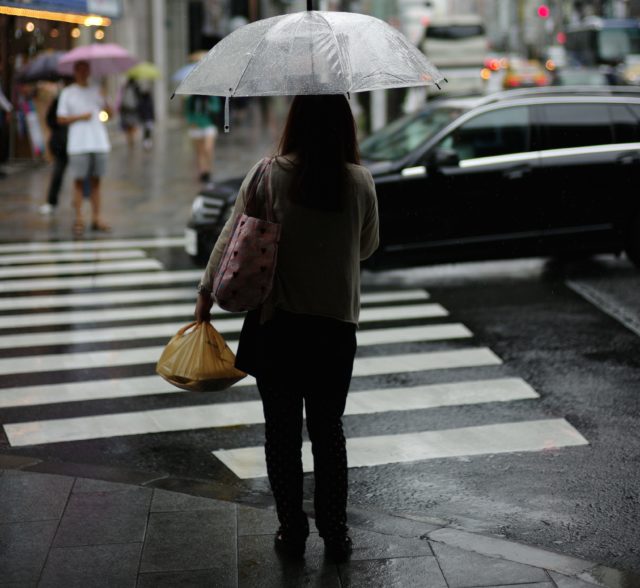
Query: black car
537	173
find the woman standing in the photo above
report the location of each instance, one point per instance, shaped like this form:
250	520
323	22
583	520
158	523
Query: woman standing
301	344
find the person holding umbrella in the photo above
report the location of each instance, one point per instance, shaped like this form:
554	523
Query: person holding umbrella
88	145
301	345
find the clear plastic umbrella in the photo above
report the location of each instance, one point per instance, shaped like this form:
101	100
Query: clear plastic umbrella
311	52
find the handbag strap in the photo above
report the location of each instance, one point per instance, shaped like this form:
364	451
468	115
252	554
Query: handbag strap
263	174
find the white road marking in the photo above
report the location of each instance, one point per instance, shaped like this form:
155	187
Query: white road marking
96	298
186	311
70	256
154	295
538	435
108	281
393	296
367	366
86	390
157	242
250	412
224	326
103	267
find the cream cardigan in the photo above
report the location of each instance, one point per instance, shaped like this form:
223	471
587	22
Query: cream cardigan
318	266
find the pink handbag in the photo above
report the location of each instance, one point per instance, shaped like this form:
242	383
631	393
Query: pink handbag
245	274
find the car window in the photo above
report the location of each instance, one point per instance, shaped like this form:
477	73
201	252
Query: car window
576	125
403	136
497	132
626	127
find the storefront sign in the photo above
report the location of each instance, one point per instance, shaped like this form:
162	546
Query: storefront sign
110	8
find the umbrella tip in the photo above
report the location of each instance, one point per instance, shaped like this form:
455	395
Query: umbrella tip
309	4
173	95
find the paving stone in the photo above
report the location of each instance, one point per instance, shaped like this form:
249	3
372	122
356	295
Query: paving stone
90	485
568	582
370	545
99	472
194	540
164	501
220	578
536	585
99	517
405	572
465	568
108	566
257	521
32	497
511	551
260	566
605	576
23	550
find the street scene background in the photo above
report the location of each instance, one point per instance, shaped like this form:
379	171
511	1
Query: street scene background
526	372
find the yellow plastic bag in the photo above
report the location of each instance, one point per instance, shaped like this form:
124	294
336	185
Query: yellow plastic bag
199	360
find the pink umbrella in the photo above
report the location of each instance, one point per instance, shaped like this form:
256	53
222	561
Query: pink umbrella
104	59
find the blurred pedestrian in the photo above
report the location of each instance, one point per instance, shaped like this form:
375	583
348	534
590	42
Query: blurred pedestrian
5	109
129	110
300	345
202	113
146	112
58	149
88	144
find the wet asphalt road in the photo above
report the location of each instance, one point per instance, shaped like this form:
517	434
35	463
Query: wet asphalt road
571	331
584	363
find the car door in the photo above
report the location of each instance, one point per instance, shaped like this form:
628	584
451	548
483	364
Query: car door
469	197
581	165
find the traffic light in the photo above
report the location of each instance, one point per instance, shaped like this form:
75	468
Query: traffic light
543	11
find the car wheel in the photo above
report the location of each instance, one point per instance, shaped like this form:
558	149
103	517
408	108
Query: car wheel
632	240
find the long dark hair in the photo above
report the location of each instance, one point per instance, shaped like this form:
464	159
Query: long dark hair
321	132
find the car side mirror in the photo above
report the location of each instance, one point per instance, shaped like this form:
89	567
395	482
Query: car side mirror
444	158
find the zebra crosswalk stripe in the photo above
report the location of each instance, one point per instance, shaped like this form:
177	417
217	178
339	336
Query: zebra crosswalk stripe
93	245
230	325
33	258
537	435
101	267
159	294
102	281
185	310
366	366
250	412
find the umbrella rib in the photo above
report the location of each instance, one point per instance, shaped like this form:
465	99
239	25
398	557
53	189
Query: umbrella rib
350	74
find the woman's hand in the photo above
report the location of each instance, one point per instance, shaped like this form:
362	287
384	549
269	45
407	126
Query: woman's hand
203	308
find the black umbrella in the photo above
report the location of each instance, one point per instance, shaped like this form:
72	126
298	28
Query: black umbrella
43	68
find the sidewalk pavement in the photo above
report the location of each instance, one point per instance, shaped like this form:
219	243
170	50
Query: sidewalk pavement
70	525
144	193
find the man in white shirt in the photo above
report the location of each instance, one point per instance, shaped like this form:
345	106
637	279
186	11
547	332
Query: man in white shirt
88	144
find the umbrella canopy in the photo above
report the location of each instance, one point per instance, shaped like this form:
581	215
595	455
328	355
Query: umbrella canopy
311	52
104	58
144	71
183	72
42	68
